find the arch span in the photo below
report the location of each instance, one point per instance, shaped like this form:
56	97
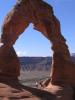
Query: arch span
41	15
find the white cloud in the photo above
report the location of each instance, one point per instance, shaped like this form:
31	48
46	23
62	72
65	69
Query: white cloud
21	53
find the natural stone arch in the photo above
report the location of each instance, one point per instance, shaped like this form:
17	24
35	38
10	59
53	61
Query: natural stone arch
41	15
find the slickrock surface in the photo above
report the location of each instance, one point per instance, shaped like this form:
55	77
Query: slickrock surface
10	89
64	92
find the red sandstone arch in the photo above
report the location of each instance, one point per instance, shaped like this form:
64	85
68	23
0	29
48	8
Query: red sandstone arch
44	20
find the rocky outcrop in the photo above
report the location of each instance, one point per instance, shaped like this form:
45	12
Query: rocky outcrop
41	15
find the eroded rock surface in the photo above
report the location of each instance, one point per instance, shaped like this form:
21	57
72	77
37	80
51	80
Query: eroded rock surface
11	89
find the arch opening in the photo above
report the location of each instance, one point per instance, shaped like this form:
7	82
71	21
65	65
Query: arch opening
31	38
34	48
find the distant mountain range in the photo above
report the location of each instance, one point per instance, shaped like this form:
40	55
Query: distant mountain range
37	63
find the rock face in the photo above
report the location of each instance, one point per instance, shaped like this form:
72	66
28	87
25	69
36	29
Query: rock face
41	15
9	63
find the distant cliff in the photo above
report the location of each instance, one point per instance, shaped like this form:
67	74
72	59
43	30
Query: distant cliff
35	63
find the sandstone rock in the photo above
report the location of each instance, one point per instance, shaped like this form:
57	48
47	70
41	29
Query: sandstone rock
41	15
11	89
64	92
9	63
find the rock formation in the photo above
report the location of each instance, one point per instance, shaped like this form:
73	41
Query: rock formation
41	15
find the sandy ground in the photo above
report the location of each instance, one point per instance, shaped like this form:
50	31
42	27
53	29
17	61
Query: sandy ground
30	78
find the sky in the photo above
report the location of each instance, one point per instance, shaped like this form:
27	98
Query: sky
32	42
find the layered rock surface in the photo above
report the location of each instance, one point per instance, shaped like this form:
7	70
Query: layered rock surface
11	89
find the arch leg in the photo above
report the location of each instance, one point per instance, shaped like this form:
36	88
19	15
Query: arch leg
61	54
14	24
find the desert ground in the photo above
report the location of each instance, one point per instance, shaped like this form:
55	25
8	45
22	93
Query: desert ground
30	78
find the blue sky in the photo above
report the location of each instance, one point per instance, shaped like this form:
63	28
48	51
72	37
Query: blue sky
33	43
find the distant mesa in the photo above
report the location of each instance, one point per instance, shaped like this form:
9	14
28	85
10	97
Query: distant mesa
35	63
38	63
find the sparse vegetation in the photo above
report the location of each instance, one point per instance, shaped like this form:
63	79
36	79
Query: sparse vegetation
30	78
